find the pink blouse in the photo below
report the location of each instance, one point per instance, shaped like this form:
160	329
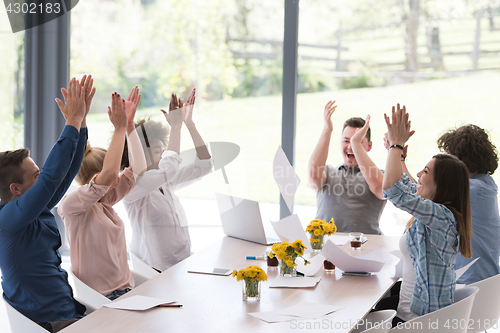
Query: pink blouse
96	234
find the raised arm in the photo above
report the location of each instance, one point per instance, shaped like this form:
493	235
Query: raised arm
87	84
201	147
316	167
29	205
399	131
403	157
111	164
137	160
174	117
370	171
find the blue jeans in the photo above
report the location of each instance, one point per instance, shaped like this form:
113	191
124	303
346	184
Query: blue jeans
117	293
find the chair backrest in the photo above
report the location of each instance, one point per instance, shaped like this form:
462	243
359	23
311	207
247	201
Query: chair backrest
141	267
376	322
64	249
138	278
91	298
19	323
486	308
452	319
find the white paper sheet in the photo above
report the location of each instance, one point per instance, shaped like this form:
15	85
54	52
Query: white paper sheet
285	177
398	273
137	302
309	310
290	229
313	267
348	263
299	311
295	282
459	272
339	240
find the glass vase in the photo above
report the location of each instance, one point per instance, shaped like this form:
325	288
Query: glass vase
285	270
251	290
316	242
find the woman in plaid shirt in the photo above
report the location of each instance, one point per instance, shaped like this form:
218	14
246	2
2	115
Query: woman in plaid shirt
440	207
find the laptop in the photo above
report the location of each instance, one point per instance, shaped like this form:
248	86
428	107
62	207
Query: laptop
241	219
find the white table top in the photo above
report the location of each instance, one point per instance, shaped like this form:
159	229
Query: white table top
214	303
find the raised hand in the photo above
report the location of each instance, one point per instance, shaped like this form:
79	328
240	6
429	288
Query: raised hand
131	104
399	131
87	82
327	115
361	132
73	108
117	114
189	106
176	112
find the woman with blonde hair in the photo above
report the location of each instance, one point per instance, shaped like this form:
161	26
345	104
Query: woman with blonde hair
95	232
441	220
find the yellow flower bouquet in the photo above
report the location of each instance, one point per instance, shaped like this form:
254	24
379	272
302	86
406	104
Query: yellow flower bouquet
287	253
318	229
252	277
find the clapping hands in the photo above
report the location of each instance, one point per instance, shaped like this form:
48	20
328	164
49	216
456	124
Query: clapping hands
399	131
117	112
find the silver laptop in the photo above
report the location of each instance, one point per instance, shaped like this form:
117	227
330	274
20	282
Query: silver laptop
241	219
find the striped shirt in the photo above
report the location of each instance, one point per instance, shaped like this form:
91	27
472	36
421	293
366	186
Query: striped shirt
432	240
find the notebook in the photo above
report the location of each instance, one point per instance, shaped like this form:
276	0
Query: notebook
241	219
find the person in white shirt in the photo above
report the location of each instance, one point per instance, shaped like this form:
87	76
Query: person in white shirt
160	235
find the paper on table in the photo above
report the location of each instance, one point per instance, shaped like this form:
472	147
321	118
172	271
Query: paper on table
339	239
313	267
295	282
290	229
459	272
304	310
309	310
348	263
137	302
399	266
285	177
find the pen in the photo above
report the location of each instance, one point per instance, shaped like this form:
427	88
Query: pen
255	257
170	305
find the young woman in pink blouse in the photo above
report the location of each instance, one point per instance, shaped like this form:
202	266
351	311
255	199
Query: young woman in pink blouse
95	232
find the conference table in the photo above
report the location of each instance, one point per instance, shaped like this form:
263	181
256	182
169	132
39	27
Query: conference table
214	303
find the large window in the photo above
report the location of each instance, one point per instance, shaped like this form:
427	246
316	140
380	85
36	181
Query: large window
11	85
230	50
442	63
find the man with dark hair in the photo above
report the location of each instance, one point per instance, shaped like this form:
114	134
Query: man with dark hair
350	193
472	145
33	281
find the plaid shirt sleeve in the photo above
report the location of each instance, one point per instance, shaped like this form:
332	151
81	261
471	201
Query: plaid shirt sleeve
431	241
404	195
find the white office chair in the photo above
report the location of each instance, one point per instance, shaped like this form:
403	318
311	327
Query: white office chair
376	322
486	308
138	277
453	318
92	299
141	267
19	323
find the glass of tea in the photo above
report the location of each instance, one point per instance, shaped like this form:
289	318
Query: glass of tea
328	266
272	262
356	240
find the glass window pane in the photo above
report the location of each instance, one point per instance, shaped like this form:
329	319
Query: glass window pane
229	50
11	86
446	78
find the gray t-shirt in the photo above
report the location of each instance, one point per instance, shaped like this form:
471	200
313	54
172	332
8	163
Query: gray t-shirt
346	197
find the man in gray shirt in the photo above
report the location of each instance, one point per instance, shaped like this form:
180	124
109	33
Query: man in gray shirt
351	193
